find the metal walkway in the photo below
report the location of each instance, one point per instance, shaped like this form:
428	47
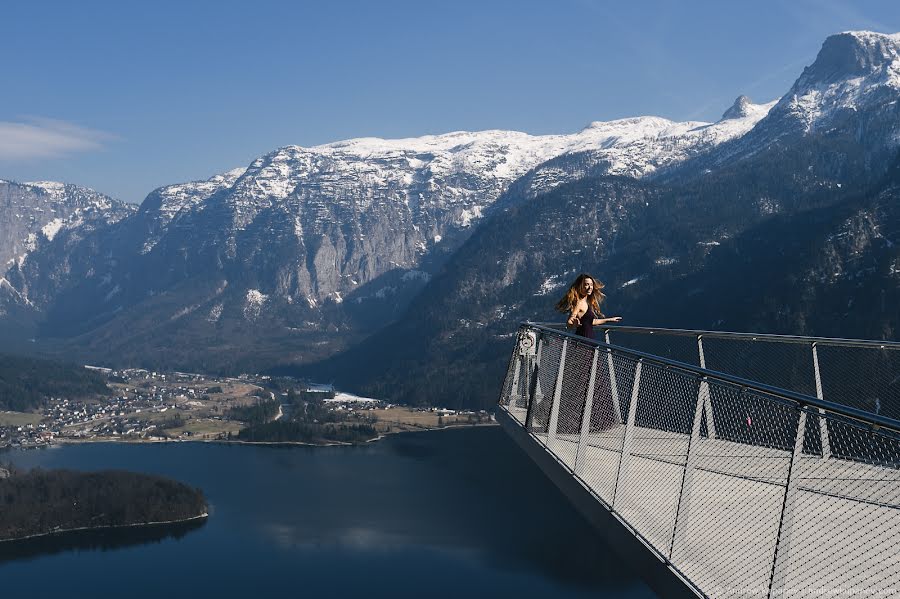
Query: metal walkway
739	488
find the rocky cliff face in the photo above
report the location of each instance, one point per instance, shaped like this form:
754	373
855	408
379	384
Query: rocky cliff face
34	213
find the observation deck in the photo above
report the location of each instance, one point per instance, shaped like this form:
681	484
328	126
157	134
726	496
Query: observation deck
726	464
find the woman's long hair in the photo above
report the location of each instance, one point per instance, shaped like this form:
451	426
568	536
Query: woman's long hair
569	300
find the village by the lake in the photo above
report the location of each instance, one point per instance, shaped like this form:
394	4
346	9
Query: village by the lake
149	406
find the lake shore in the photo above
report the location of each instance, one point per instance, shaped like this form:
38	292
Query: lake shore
382	435
62	531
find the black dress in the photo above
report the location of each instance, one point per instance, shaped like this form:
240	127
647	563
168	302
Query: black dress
586	327
602	414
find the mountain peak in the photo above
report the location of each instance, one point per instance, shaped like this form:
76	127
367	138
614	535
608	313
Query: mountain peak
739	109
852	54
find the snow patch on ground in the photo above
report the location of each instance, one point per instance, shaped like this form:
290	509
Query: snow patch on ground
253	303
550	285
467	216
53	188
4	284
216	313
52	228
350	398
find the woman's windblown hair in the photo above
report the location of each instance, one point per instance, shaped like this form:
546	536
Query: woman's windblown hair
568	301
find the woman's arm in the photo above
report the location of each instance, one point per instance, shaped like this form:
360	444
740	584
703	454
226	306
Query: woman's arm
598	321
574	317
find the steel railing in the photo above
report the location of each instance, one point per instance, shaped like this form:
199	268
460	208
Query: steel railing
862	374
732	482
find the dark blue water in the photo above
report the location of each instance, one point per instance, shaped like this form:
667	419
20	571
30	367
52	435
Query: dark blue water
449	513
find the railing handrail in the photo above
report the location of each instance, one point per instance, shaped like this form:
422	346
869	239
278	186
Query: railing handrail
836	341
874	421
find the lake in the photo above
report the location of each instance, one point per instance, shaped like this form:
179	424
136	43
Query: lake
449	513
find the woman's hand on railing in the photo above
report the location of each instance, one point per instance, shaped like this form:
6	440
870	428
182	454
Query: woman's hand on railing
599	321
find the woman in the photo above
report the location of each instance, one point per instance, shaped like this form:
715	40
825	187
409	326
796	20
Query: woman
582	302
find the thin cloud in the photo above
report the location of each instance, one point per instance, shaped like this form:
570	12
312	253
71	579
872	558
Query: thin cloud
38	137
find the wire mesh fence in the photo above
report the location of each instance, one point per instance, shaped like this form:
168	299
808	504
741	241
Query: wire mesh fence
743	489
857	373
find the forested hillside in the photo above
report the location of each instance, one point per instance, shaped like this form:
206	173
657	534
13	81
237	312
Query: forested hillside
25	383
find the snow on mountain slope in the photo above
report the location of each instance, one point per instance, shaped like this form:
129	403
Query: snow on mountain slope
342	214
853	86
166	203
35	212
460	173
312	227
853	70
642	147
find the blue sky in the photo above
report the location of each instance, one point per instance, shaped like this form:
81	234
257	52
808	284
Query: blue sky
125	96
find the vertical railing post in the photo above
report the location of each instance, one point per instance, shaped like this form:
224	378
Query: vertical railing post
535	385
707	401
786	524
823	425
586	415
557	394
682	512
513	400
614	388
629	431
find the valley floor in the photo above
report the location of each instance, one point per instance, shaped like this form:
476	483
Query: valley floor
151	407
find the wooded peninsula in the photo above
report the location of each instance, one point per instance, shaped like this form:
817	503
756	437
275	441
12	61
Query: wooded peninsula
42	502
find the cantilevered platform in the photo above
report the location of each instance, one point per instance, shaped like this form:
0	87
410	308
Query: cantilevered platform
724	517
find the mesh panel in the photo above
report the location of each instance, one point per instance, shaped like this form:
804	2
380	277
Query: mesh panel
563	441
779	364
681	348
512	382
731	505
867	378
601	447
544	385
514	394
749	419
841	530
656	452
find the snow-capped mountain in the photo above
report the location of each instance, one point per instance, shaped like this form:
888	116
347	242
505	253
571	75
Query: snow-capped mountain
435	184
786	228
167	203
31	213
848	95
644	147
855	71
332	240
315	225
